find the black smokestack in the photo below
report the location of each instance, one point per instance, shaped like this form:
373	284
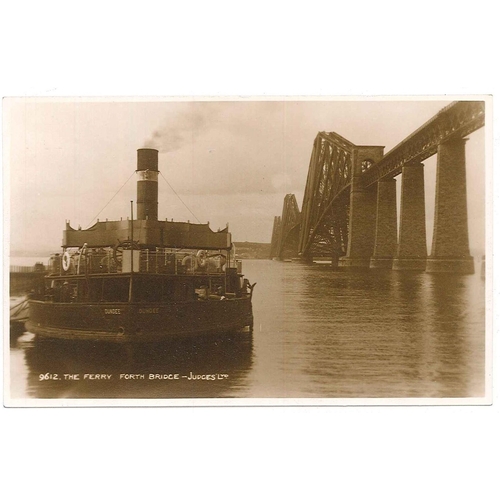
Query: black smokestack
147	184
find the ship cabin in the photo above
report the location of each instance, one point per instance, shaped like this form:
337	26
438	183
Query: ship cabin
144	260
197	264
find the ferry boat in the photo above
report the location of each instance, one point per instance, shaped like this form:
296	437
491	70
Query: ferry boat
142	279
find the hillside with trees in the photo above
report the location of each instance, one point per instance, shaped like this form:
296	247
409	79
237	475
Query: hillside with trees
249	250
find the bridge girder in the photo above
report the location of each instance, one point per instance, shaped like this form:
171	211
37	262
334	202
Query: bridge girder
340	170
457	120
324	209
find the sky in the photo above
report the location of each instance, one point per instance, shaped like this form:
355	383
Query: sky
228	161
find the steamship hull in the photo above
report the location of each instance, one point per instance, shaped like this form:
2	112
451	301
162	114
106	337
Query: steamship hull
119	322
143	279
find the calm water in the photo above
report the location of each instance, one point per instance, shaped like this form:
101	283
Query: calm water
318	333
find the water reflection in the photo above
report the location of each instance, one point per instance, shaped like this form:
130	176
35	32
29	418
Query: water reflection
16	331
318	333
195	368
458	350
384	334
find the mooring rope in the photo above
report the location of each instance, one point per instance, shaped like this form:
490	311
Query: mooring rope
19	305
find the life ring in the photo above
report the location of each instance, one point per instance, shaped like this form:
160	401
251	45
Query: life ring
201	258
186	259
66	260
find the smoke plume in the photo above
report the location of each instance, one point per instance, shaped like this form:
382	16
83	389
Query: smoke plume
181	128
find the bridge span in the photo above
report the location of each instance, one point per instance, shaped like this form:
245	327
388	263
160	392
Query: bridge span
349	209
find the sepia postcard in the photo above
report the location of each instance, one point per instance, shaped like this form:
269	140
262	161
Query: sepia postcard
247	252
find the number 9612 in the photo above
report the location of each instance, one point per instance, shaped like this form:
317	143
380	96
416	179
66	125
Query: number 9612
48	376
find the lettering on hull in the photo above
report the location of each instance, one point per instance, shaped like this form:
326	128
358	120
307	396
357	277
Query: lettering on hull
112	311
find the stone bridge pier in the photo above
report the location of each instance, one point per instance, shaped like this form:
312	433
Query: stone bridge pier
373	236
386	228
412	243
362	209
450	243
349	209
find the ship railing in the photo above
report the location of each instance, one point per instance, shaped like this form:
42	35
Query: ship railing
149	261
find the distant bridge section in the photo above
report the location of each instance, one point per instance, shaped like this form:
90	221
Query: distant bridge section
349	205
286	230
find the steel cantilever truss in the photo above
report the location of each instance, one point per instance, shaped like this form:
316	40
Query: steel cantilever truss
325	209
322	228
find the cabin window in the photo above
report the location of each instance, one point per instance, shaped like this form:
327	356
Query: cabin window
217	286
201	283
63	290
147	290
83	291
115	290
202	288
184	290
95	289
168	288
